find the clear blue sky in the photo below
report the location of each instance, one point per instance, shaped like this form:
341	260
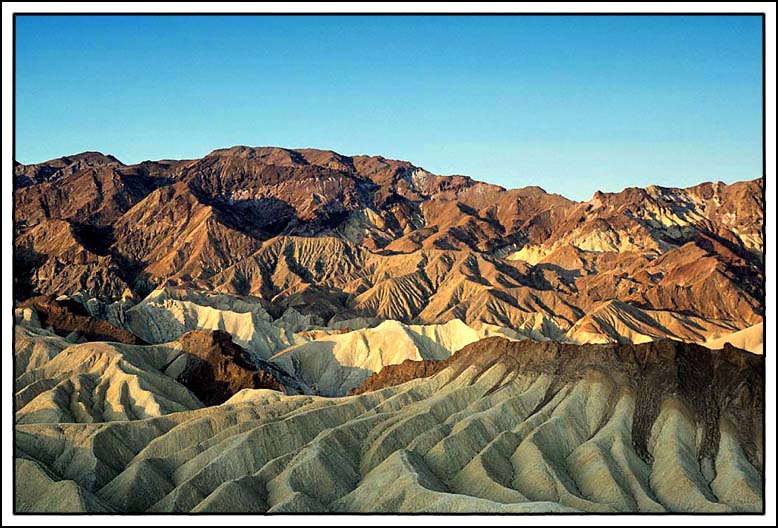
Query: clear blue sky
573	104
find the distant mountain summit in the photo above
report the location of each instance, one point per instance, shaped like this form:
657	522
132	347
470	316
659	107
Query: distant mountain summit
364	236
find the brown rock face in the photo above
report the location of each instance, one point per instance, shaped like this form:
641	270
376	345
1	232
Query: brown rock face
67	316
392	375
224	368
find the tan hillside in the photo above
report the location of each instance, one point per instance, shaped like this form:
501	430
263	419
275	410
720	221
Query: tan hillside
504	427
617	322
332	365
94	381
58	381
751	339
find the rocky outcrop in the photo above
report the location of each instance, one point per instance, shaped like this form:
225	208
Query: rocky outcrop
68	317
397	374
224	368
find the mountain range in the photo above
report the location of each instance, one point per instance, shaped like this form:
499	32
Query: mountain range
294	330
338	237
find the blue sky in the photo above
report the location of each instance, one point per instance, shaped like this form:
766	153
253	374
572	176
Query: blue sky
573	104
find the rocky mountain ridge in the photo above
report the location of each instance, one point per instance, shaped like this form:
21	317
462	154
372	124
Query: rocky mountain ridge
341	237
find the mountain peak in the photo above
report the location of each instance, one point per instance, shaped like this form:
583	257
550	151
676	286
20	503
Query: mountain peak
47	171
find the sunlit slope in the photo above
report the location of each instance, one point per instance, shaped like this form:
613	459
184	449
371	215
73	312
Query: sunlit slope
58	381
61	382
751	339
335	364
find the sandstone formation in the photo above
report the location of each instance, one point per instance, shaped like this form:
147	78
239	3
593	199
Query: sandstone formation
504	427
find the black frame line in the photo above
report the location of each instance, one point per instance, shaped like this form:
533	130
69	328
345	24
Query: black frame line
765	466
